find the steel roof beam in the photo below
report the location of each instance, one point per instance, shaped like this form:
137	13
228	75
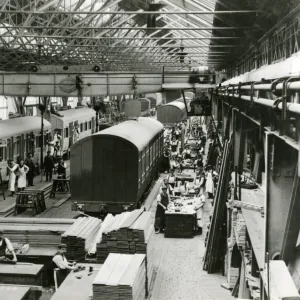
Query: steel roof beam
194	12
128	28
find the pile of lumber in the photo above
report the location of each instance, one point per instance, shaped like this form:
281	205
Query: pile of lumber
127	233
80	237
122	277
35	231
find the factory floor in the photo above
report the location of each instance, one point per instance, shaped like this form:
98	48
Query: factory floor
179	268
39	182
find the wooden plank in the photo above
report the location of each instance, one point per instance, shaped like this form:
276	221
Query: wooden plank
106	269
62	201
129	275
119	269
131	218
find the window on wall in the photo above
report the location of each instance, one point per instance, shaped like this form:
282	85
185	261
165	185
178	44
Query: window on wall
85	126
81	127
90	124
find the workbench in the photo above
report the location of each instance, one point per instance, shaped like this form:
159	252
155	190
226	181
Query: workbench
14	292
180	224
80	289
39	255
23	274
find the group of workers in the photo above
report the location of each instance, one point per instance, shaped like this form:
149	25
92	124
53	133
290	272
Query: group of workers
176	158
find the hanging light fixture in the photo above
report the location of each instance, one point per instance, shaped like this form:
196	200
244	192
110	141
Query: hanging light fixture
151	19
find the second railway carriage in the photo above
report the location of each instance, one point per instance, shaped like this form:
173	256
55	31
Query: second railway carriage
73	125
111	170
173	112
155	101
137	108
19	137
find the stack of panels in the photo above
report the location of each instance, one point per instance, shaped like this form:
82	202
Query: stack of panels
122	277
125	233
179	225
80	237
35	231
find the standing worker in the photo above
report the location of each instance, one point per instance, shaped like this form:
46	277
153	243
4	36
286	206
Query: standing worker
5	244
31	173
199	204
13	168
23	170
162	205
60	261
49	165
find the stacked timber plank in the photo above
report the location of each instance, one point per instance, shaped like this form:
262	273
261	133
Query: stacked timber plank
80	237
126	233
122	277
35	231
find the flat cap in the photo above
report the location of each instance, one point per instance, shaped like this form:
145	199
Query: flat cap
60	246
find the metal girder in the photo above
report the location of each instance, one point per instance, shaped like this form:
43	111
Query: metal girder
197	28
93	84
194	12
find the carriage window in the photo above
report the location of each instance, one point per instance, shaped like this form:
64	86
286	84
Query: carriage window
150	156
90	124
140	169
85	126
66	132
37	141
3	153
81	127
147	159
143	165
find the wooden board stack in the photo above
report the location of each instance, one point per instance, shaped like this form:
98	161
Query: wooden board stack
35	231
126	233
122	277
80	237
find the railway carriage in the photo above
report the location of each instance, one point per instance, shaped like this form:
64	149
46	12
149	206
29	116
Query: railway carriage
137	108
173	112
155	101
74	125
112	169
19	137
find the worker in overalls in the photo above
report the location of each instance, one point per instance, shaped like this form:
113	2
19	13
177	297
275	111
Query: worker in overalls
60	261
162	205
5	244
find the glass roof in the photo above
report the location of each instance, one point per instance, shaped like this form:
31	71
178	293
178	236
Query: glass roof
72	32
